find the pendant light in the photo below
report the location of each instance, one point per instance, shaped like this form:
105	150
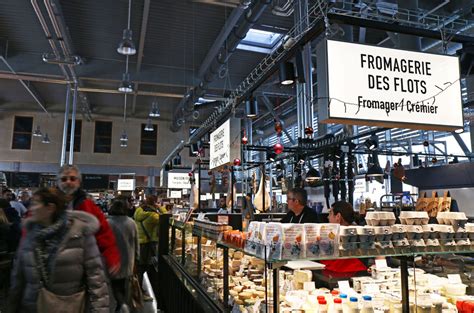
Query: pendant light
251	107
374	169
46	138
155	110
148	126
124	137
287	74
37	132
126	46
312	176
126	86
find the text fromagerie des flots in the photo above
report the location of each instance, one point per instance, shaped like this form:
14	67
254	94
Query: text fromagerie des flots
413	85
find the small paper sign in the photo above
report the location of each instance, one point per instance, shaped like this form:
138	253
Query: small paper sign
454	278
344	285
224	219
208	242
201	216
380	263
372	289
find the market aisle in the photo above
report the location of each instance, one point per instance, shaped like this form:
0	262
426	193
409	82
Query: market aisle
150	306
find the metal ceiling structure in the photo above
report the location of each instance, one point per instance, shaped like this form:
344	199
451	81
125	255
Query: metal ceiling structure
178	39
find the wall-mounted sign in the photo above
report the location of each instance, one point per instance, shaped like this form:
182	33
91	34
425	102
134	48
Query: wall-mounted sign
175	194
225	143
367	85
180	180
126	184
93	181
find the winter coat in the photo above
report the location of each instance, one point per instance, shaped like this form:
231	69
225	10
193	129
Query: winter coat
105	237
77	262
147	221
126	237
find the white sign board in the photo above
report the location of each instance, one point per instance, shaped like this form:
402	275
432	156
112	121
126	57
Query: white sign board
126	184
225	143
367	85
180	180
175	194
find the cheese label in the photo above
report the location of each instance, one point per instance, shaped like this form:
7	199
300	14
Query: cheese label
454	278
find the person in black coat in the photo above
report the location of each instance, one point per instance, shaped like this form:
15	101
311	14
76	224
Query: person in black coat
299	213
14	220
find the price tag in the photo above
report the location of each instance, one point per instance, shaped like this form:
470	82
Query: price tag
201	216
372	289
344	286
454	278
224	219
380	263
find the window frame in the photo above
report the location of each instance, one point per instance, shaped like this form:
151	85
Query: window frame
102	136
14	132
155	139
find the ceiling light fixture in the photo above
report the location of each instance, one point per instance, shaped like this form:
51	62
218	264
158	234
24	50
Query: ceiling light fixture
287	73
374	169
37	132
124	139
46	138
126	46
126	86
372	143
155	110
312	176
251	107
149	126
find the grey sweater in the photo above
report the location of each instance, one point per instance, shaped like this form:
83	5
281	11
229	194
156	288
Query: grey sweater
77	265
126	237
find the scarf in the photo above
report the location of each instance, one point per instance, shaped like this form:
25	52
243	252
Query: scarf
47	240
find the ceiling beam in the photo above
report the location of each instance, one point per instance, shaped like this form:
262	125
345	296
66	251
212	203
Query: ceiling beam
141	46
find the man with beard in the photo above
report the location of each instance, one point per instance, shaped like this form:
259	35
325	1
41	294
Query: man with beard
69	181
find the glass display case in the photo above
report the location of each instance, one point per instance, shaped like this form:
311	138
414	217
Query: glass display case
242	275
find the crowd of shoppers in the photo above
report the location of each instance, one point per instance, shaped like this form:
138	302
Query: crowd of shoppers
69	254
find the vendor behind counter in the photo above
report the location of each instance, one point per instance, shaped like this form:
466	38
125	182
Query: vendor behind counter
299	212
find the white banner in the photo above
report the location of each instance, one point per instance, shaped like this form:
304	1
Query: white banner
370	85
126	184
180	180
175	194
225	144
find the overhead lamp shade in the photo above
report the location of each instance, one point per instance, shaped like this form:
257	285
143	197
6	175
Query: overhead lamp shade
155	110
372	143
271	156
374	169
124	140
126	86
287	73
126	46
37	132
148	126
177	160
251	107
46	138
313	176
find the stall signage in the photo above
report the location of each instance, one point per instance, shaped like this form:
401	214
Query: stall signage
367	85
225	143
175	194
180	180
126	184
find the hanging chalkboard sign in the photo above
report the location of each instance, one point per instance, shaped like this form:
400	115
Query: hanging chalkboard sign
94	181
25	180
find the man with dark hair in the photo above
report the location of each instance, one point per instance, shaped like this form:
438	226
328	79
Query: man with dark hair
69	181
10	196
342	213
299	213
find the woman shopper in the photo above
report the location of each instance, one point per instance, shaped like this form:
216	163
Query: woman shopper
147	220
58	267
126	237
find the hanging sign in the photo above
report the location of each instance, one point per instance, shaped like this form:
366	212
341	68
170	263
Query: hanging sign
367	85
126	184
180	180
175	194
225	143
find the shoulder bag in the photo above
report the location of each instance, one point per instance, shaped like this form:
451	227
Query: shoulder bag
48	301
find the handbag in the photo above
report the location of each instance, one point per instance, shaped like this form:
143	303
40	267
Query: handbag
136	293
48	301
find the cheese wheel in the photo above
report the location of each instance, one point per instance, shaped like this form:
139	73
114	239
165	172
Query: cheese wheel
233	293
238	255
249	301
260	294
238	288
